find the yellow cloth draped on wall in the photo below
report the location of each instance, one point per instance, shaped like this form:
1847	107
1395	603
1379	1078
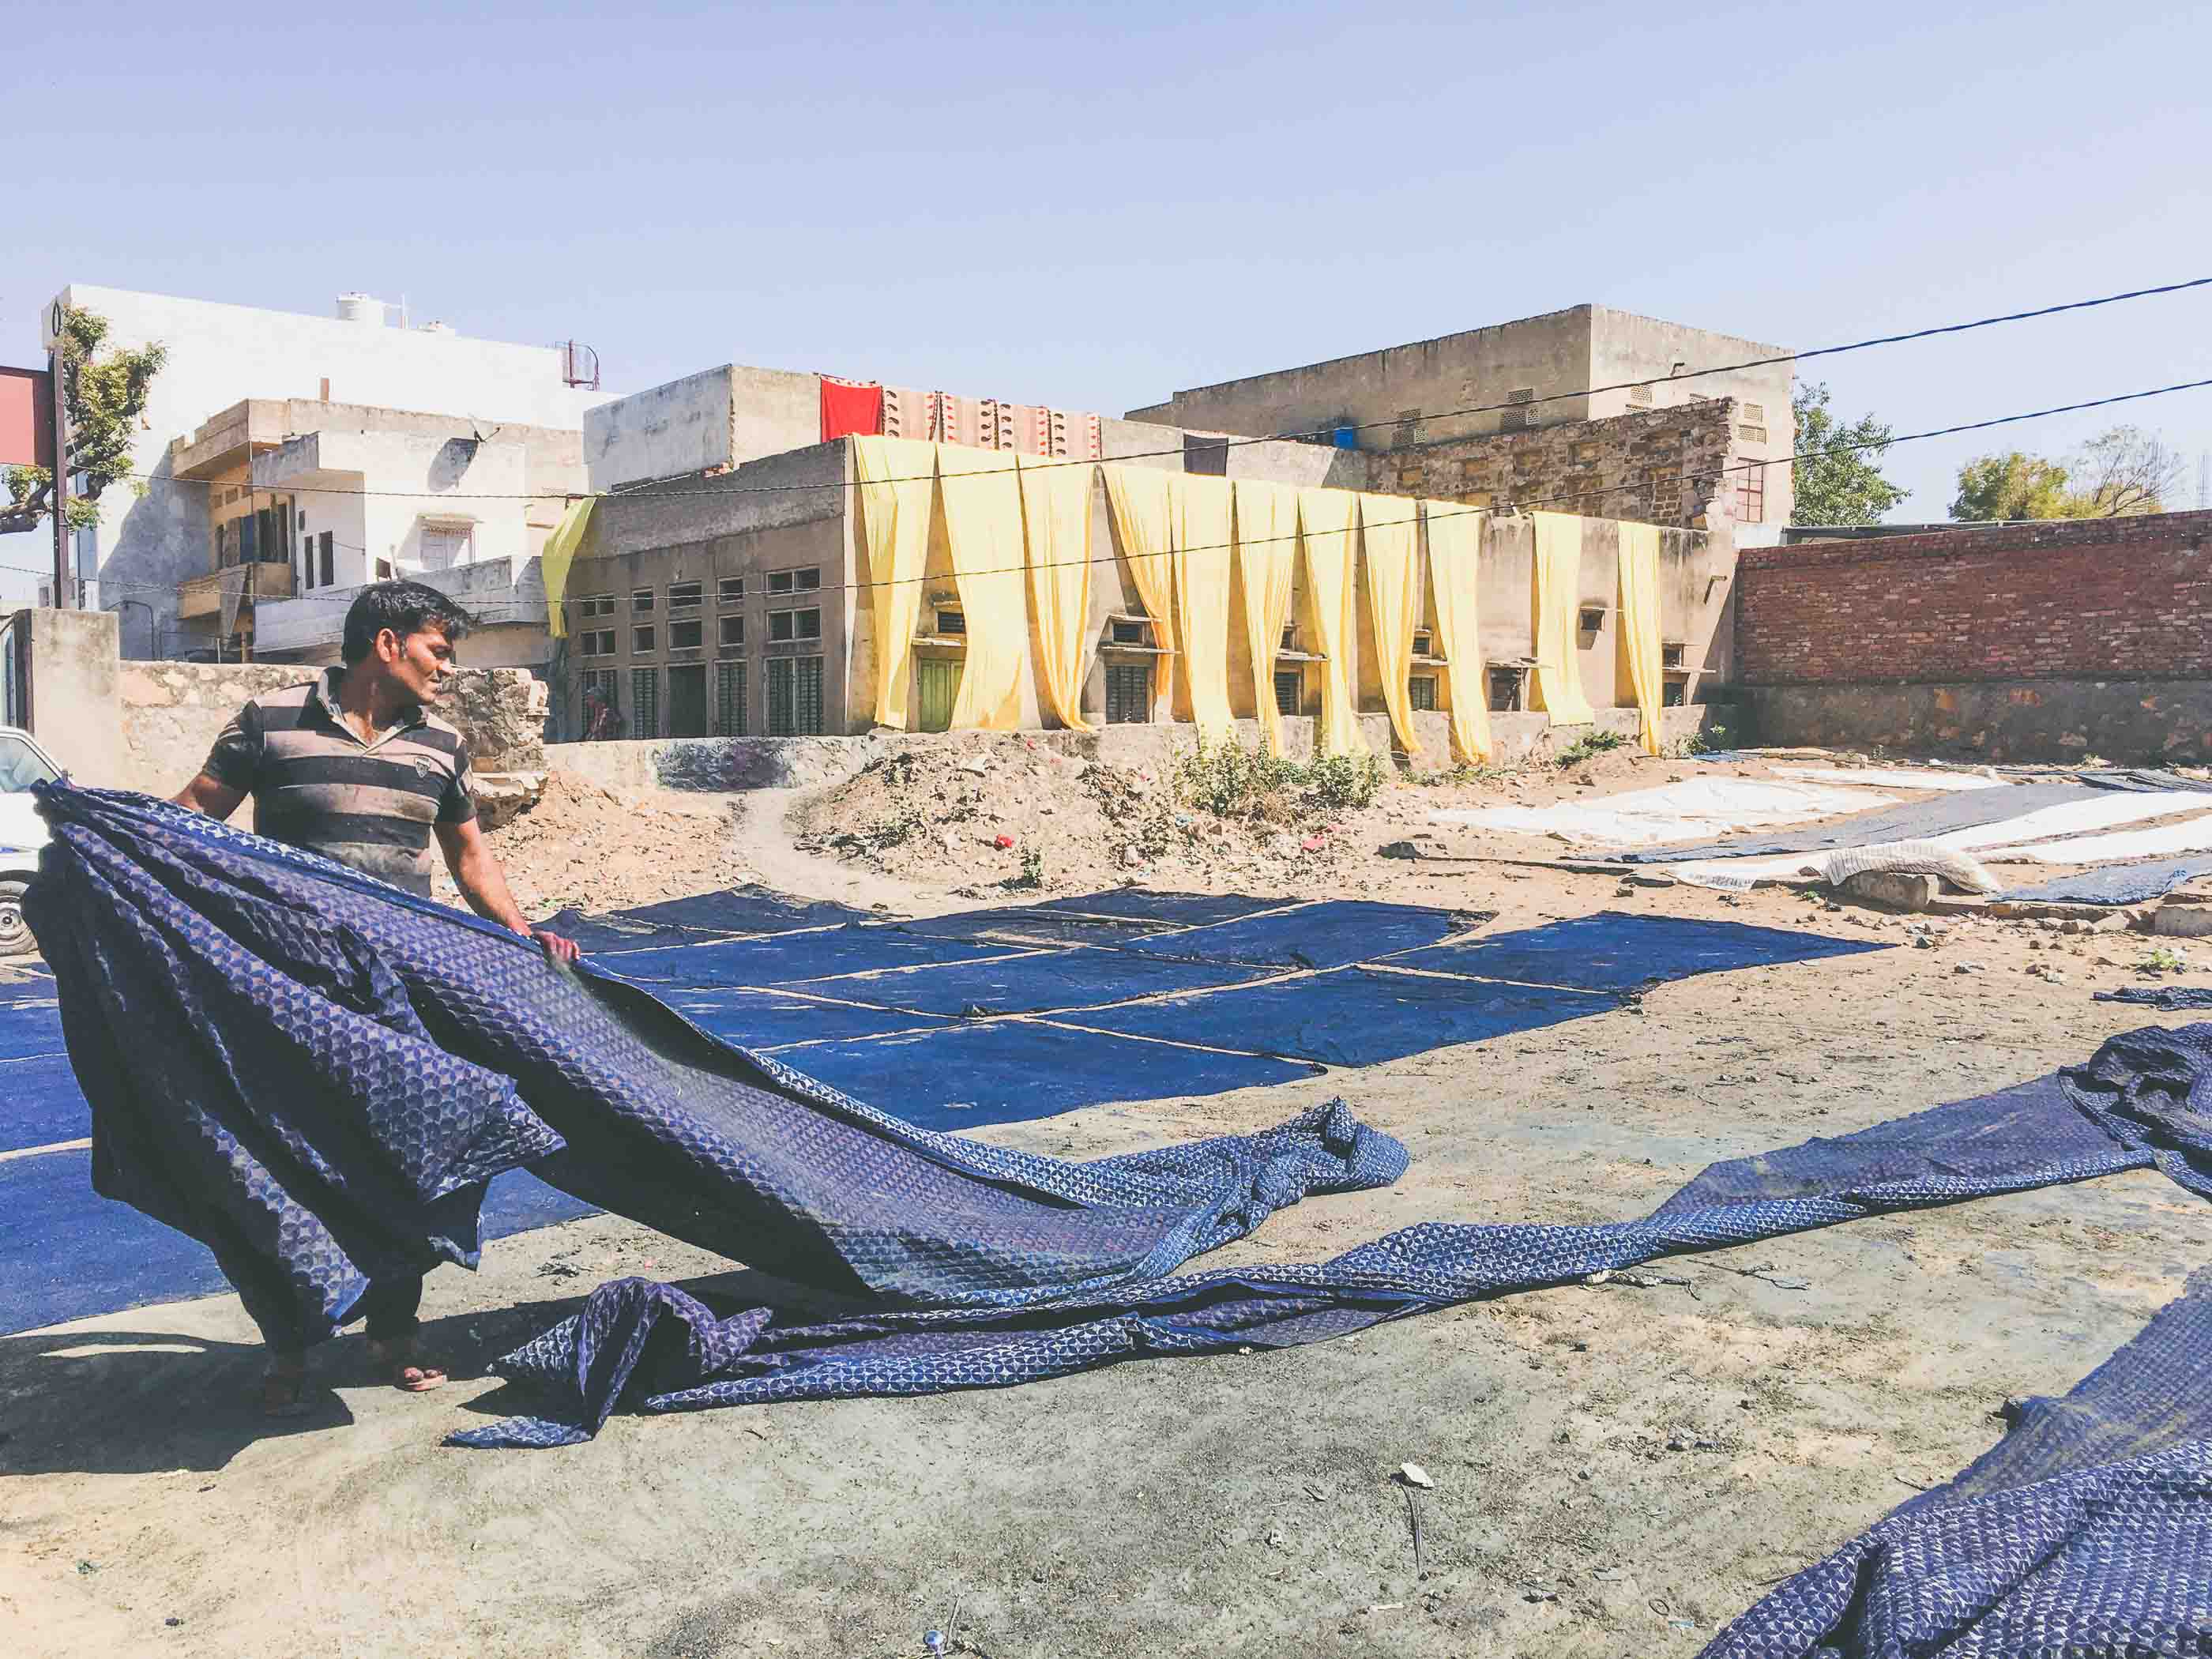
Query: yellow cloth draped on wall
1454	552
983	499
1266	553
1639	624
1393	603
1558	602
561	553
1201	573
1056	524
1325	534
1144	521
898	479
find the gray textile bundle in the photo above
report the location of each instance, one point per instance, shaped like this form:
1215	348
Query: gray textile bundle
1919	858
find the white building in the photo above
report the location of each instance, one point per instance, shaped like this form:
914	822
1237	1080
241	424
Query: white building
159	533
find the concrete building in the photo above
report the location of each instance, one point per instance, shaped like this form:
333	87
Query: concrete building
1707	435
157	534
307	500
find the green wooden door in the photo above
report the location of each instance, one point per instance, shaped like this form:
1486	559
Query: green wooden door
936	685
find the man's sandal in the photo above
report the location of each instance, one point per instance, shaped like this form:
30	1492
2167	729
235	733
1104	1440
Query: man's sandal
407	1375
282	1386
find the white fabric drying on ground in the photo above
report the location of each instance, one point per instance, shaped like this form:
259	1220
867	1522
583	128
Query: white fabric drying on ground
2190	836
1892	777
2104	812
1696	809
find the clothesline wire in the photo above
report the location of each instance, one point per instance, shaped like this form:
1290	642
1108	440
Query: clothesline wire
1224	441
1452	510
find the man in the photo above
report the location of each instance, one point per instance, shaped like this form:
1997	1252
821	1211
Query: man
353	765
603	721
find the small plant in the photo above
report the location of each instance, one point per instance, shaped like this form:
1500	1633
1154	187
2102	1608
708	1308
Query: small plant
1706	743
1589	746
1231	781
1032	874
1338	783
2163	959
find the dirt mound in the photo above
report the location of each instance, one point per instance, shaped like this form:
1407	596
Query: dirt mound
585	846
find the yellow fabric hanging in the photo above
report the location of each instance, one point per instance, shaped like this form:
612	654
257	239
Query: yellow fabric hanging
1201	571
1639	624
1057	526
1455	551
983	498
1558	602
1144	520
1325	534
1266	553
1393	603
894	526
561	553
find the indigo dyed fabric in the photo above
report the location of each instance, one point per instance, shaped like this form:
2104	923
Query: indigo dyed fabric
2171	998
2145	1099
322	1072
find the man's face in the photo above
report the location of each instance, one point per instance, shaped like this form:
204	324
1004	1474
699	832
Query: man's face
422	663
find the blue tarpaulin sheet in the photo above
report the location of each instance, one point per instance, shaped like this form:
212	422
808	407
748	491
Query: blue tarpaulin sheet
1020	985
1615	951
1312	936
41	1103
1176	909
731	912
1911	820
1037	925
1350	1016
780	959
2118	884
27	1029
771	1020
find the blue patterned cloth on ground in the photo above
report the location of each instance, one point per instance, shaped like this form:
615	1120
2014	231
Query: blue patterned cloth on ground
315	1074
2171	998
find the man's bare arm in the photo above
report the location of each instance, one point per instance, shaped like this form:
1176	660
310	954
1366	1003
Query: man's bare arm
205	793
483	884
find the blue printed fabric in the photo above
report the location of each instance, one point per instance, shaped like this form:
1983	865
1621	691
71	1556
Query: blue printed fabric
315	1074
2171	999
2145	1099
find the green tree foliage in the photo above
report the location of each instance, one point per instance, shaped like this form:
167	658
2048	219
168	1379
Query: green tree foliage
2116	474
1838	470
105	394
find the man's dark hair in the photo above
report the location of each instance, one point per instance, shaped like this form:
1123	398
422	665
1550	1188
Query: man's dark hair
404	608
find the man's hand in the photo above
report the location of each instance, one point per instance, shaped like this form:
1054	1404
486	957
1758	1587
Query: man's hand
559	949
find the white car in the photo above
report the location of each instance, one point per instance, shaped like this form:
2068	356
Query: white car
22	832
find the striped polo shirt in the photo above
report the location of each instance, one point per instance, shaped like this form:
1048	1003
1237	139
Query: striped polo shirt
317	785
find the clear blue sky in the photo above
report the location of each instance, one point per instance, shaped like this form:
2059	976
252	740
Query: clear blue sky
1095	206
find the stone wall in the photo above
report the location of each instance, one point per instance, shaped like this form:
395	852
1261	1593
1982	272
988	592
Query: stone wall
2131	722
171	712
1667	466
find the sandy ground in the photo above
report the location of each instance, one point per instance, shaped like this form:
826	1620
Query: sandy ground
1618	1470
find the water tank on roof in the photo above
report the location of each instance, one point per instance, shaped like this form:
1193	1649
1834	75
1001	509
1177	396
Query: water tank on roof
361	308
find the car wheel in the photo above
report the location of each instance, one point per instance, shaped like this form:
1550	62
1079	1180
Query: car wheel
15	939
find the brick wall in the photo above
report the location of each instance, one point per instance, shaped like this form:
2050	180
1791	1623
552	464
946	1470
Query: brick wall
2127	599
1662	466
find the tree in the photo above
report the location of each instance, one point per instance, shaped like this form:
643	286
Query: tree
2116	474
2126	472
105	395
2012	486
1837	472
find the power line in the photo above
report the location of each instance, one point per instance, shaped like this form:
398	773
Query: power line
645	487
1455	511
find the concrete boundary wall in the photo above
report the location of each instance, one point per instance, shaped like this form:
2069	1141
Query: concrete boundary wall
2128	721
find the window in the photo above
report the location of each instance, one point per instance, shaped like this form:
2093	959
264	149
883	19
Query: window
730	699
445	545
1289	686
600	642
1128	633
794	581
640	642
1671	696
21	766
795	625
1129	694
685	636
1671	655
794	697
645	703
1423	645
733	632
1519	418
1755	413
1291	637
330	560
951	622
1421	690
687	701
1591	618
641	600
731	589
685	596
598	604
1751	495
603	681
1505	690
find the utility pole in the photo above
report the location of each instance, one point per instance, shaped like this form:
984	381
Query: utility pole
65	592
